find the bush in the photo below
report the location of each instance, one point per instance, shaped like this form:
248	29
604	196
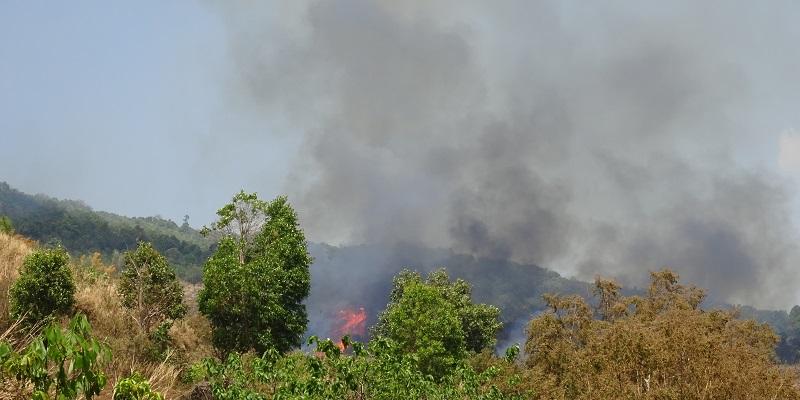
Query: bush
149	288
5	225
380	371
480	323
422	322
60	363
135	388
45	286
655	347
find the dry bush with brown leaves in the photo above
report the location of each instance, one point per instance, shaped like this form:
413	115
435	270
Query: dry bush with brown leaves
660	346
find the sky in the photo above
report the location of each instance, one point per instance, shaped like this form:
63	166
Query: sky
610	137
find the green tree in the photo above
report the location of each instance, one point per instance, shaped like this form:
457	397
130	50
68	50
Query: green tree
149	288
45	286
256	281
480	323
241	219
423	322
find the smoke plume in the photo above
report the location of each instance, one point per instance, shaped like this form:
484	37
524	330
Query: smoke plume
604	139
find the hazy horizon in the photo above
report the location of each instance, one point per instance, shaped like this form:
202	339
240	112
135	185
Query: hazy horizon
606	138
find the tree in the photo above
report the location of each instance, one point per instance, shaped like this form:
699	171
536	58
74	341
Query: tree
45	286
423	322
480	323
149	288
661	345
241	219
256	281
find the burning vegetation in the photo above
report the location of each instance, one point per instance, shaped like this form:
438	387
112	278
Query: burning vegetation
352	323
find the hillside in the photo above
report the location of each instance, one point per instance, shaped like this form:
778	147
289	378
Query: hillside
552	365
344	279
351	277
83	230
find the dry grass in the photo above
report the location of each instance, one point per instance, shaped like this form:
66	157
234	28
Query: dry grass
97	297
13	250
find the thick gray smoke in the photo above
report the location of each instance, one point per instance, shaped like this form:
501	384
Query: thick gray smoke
591	138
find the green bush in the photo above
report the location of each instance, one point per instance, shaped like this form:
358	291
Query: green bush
5	225
135	388
60	363
149	288
423	323
45	286
379	371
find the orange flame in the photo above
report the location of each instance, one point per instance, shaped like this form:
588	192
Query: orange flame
353	323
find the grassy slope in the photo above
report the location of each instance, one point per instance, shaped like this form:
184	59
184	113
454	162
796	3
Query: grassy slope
96	296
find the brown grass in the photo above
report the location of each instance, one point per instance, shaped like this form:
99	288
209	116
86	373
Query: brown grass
13	250
96	296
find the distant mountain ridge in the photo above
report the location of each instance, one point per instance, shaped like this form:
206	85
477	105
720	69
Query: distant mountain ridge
81	230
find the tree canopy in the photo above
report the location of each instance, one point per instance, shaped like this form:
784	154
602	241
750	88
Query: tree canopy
658	346
256	281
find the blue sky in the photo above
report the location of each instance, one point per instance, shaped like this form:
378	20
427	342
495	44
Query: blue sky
114	104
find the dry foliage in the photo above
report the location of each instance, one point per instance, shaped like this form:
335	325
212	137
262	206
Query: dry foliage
661	346
13	250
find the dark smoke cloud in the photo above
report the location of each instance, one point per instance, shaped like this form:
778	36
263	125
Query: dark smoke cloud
595	139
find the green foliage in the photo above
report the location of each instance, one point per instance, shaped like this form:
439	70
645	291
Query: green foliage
149	288
425	324
135	388
5	224
45	286
240	219
256	281
60	363
437	319
381	371
82	230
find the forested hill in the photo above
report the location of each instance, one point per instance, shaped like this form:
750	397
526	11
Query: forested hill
83	230
342	277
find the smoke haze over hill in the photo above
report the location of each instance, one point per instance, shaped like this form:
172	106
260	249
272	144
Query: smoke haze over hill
608	138
594	139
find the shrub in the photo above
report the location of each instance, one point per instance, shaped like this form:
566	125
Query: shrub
5	225
424	323
654	347
60	363
149	288
479	322
45	286
135	388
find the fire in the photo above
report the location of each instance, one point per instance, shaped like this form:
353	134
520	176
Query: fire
352	323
